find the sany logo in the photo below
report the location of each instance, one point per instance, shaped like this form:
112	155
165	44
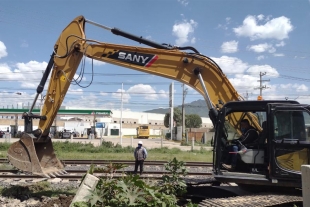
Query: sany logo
136	58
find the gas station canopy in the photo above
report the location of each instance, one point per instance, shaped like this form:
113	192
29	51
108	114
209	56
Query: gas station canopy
107	113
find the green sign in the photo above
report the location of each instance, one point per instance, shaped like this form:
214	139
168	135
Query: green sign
60	111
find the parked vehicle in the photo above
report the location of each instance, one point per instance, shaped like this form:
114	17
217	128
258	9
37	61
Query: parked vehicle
2	133
143	132
66	134
75	134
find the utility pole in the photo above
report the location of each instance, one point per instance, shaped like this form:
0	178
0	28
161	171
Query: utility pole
260	97
121	124
183	110
261	87
247	95
171	92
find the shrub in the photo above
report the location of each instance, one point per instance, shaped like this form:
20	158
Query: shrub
131	190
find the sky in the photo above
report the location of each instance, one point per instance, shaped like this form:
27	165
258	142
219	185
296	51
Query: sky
245	38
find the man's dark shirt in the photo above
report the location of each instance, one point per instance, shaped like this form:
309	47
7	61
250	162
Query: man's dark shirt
249	137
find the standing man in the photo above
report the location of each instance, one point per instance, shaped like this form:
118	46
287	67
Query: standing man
140	155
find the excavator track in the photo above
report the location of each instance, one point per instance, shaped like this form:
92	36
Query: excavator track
252	201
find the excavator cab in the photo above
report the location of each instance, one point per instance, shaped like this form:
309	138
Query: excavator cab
283	144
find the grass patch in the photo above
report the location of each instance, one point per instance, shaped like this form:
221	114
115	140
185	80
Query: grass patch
2	154
6	167
4	146
110	151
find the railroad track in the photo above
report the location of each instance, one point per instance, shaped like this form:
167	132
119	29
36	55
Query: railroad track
129	162
78	173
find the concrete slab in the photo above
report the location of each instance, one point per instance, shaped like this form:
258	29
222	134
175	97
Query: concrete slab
89	183
305	177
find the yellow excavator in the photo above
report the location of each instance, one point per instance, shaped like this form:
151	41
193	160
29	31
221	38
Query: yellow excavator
34	151
275	161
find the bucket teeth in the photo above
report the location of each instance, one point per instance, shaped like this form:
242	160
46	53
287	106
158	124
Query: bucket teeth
57	173
52	175
46	176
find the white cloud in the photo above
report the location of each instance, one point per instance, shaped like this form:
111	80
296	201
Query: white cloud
276	28
7	74
183	2
23	72
241	81
262	48
147	91
231	64
283	91
285	86
230	47
300	88
183	30
244	77
3	52
12	99
296	87
280	44
103	93
121	94
256	69
24	44
193	40
278	54
31	66
90	101
163	94
225	26
78	91
261	57
260	17
29	85
95	62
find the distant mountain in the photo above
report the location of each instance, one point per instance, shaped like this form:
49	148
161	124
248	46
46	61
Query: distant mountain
196	107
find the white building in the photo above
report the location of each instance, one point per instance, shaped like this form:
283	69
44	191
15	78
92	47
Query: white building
130	121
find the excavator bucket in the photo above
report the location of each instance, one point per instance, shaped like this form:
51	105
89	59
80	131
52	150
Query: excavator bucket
35	156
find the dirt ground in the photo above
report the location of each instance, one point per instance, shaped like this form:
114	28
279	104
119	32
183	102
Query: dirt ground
61	201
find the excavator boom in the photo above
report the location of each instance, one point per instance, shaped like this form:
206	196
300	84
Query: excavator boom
34	152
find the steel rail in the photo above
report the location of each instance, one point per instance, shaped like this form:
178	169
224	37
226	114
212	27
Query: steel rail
130	162
80	173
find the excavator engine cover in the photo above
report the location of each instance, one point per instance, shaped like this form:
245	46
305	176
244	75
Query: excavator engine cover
35	156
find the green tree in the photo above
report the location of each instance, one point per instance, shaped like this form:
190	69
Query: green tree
177	117
192	121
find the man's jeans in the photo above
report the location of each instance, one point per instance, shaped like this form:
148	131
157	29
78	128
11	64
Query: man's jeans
232	157
139	163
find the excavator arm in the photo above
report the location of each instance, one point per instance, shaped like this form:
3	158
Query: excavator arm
185	65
